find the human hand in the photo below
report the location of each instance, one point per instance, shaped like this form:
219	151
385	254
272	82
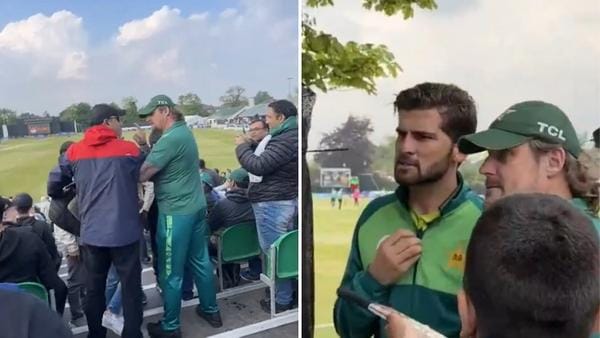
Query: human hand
240	139
395	255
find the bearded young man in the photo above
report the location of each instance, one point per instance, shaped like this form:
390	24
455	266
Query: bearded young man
408	248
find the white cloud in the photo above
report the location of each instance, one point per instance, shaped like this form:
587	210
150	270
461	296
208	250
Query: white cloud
167	51
228	13
74	66
53	45
199	17
159	21
501	52
166	67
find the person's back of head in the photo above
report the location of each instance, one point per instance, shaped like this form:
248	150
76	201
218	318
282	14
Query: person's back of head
202	163
531	271
23	202
284	107
64	147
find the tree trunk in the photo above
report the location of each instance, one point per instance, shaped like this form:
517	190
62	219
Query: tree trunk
308	276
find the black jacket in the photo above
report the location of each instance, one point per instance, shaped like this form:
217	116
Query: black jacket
235	208
42	229
22	315
24	258
278	166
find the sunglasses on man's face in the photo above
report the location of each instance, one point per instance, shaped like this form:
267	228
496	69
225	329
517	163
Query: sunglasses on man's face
116	118
255	129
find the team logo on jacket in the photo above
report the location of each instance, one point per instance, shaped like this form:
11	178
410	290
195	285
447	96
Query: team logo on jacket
457	259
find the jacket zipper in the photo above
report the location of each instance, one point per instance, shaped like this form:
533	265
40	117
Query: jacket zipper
419	234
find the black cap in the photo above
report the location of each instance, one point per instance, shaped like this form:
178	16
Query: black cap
596	138
23	201
103	111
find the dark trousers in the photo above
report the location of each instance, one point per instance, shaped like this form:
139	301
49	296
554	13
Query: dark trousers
60	294
152	223
76	285
126	260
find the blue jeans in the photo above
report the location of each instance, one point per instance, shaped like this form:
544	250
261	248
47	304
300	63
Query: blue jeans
113	291
273	219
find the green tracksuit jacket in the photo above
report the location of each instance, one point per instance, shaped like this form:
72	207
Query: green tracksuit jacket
427	292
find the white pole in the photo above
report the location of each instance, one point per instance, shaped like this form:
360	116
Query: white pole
75	126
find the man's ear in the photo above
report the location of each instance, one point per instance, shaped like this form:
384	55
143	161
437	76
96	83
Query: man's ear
468	320
555	160
457	155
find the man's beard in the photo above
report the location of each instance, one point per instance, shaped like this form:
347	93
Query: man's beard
423	176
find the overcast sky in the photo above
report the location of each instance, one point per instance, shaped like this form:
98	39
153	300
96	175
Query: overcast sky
59	52
501	52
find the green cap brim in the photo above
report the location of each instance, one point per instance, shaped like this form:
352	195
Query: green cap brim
491	139
146	111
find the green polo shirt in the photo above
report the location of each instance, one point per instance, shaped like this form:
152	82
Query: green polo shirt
177	185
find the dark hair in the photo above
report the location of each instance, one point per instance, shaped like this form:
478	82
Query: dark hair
64	147
202	164
243	184
596	138
261	121
456	106
23	202
532	269
284	107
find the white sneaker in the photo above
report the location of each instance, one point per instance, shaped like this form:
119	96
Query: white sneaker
113	322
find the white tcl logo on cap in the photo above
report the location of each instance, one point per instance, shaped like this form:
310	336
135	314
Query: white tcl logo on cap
161	102
551	130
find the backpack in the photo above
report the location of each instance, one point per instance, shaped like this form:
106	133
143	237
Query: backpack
60	214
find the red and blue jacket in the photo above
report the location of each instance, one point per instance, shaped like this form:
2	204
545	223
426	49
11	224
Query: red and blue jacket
106	174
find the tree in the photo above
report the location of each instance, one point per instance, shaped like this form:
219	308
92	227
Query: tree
79	112
7	116
190	104
354	135
383	159
234	97
262	97
129	103
329	64
28	115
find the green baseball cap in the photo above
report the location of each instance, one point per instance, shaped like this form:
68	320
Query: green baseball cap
239	175
157	101
523	122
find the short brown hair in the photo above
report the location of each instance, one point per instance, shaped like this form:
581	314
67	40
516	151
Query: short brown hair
456	106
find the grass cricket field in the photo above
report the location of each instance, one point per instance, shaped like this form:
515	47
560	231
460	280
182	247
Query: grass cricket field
25	163
333	230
